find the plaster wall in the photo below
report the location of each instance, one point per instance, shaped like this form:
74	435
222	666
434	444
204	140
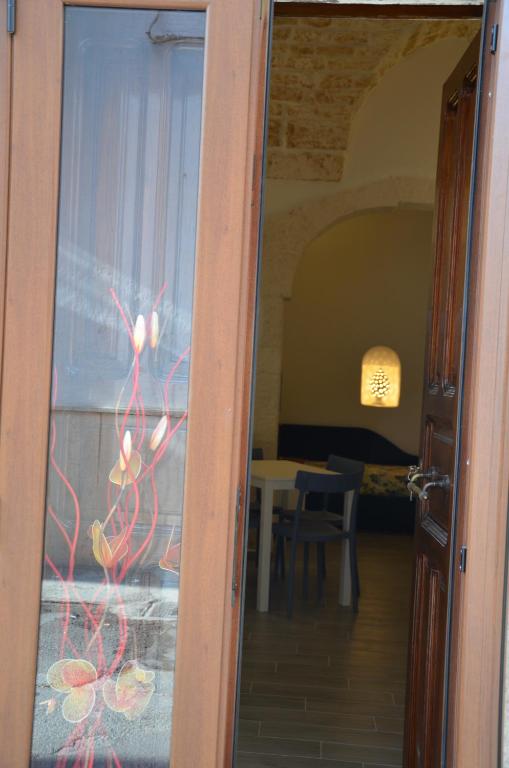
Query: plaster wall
362	283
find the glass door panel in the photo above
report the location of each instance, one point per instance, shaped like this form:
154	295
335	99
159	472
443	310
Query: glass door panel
131	129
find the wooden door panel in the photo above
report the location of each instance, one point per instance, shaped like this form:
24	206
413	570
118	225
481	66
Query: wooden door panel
430	607
478	635
444	207
438	451
463	103
425	735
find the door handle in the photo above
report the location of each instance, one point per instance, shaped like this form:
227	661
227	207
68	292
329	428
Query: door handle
435	480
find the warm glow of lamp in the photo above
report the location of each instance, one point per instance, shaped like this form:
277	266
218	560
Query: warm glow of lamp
381	378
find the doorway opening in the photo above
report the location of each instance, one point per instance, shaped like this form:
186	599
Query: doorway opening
350	214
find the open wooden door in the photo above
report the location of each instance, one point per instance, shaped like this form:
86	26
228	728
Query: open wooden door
452	716
435	480
131	266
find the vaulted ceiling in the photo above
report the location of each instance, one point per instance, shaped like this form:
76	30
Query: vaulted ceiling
322	69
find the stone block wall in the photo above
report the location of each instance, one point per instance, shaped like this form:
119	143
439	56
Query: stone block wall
322	69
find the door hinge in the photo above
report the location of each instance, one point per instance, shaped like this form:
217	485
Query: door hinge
235	583
11	16
254	178
494	38
463	559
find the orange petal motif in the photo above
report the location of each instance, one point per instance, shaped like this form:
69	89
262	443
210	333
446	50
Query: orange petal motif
132	691
50	705
107	550
78	672
158	433
154	329
139	333
55	678
78	704
171	559
127	448
121	477
76	678
110	696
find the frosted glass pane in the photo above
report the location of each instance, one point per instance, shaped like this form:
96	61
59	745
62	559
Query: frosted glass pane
130	155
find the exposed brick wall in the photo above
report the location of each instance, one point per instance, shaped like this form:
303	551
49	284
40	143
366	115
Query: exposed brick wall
322	69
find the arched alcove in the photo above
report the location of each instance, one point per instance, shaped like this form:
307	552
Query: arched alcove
285	240
363	282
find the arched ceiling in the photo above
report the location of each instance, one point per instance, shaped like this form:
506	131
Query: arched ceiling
322	69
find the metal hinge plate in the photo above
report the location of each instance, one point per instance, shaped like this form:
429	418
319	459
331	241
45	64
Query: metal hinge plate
463	559
11	16
235	583
494	38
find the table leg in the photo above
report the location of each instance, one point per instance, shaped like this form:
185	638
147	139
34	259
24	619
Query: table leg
263	587
345	580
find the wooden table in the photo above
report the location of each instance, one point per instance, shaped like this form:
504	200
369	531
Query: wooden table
275	475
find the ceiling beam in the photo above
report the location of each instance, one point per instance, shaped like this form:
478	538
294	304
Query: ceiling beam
378	10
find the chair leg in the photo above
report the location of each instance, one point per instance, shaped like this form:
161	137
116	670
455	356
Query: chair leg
319	570
276	559
257	544
279	568
291	577
354	574
280	543
305	569
353	548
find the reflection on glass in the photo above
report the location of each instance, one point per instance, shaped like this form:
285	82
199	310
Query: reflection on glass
127	220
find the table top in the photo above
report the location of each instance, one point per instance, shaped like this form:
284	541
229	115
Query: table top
280	470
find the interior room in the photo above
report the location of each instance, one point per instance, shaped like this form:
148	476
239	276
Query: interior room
346	272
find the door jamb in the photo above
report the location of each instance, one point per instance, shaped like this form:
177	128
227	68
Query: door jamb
477	625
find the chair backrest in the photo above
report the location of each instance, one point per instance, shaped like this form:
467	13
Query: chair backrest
348	466
332	488
326	485
325	482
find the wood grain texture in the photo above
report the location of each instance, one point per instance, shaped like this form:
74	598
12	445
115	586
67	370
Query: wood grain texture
245	346
217	443
27	357
5	125
425	716
478	620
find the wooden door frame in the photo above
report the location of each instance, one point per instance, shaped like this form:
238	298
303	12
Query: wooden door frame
5	121
477	628
376	10
228	231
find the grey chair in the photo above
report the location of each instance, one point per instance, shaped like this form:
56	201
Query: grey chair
254	506
316	530
349	467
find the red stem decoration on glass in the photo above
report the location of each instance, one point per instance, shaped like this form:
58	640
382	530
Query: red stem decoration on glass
85	680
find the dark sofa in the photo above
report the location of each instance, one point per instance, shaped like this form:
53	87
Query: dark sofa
377	512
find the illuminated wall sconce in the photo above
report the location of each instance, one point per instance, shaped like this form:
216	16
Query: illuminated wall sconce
381	378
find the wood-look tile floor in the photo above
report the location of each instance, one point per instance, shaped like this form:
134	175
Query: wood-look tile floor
327	688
